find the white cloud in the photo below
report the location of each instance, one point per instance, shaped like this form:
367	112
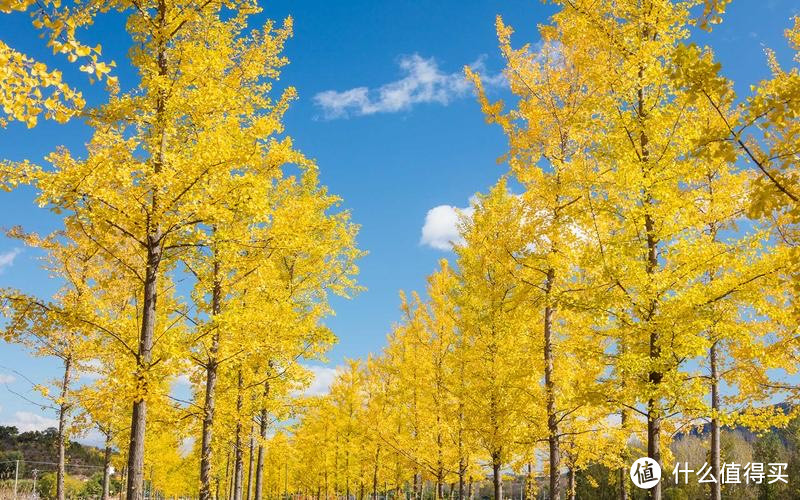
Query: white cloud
7	258
7	379
440	230
424	82
323	378
26	421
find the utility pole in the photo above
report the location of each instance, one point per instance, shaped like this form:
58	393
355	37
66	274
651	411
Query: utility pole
16	477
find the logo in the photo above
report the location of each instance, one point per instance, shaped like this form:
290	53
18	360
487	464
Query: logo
645	473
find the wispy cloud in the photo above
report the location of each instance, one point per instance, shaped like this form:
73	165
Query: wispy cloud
441	228
7	258
423	82
7	379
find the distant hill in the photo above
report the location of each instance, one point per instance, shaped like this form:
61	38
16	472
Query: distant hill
39	450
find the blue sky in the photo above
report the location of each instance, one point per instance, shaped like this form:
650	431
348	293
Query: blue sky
384	110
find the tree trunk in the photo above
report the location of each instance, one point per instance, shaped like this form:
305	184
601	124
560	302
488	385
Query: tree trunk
135	486
375	473
63	411
716	487
212	367
623	472
238	463
497	481
571	483
262	432
249	494
653	441
228	477
347	472
461	468
106	468
529	483
552	417
653	406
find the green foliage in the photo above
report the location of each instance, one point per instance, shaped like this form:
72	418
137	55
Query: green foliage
40	446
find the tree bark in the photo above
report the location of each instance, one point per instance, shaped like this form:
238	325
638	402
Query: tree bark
262	432
497	481
106	468
655	376
375	473
623	472
63	411
439	463
716	487
552	417
238	463
249	494
135	486
571	483
461	468
212	368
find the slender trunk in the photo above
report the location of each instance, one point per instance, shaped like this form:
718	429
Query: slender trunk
439	463
655	376
375	473
461	469
123	493
249	493
63	411
552	417
230	485
347	472
571	483
262	432
497	481
469	488
716	488
212	368
623	472
529	483
417	485
238	463
107	468
135	486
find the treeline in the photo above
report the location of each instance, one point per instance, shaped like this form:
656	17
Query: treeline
42	447
634	276
30	459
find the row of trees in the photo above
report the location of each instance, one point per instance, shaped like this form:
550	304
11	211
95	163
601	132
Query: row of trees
196	241
640	284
